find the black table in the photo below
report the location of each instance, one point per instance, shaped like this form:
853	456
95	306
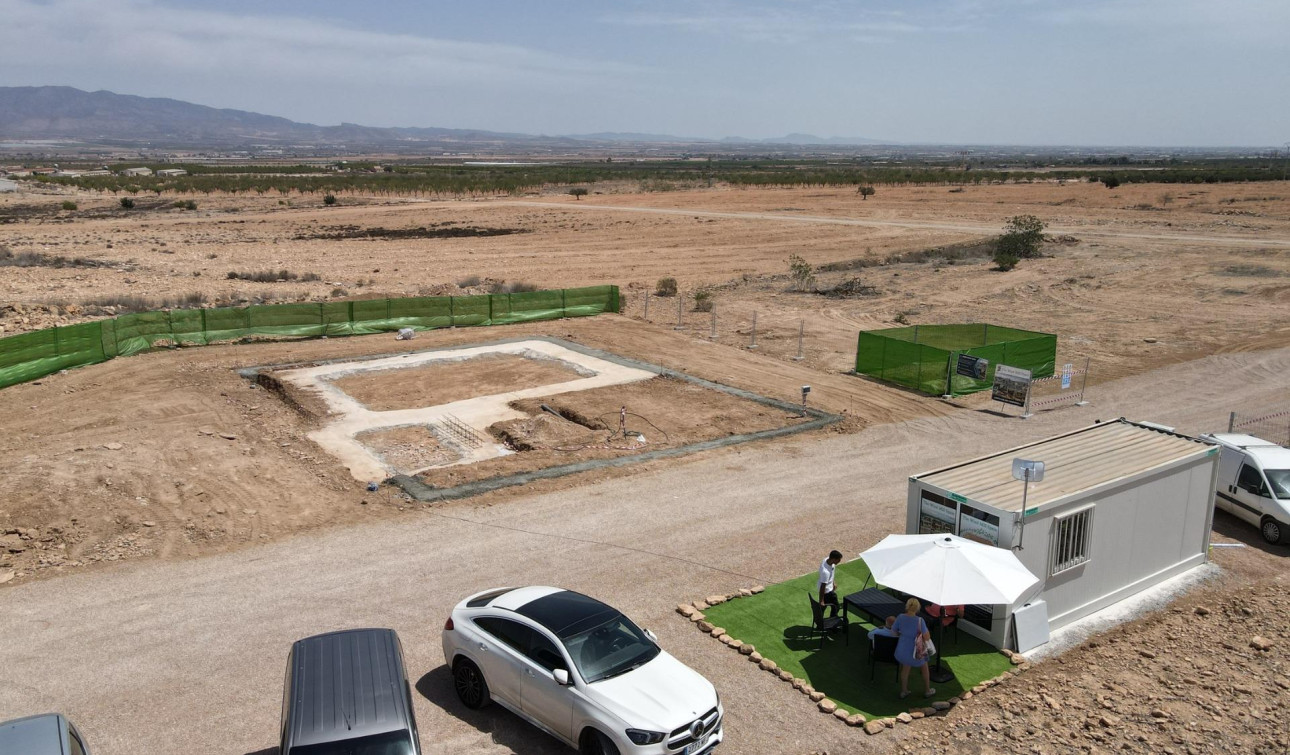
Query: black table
875	603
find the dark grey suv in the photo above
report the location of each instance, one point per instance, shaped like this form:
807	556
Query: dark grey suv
347	693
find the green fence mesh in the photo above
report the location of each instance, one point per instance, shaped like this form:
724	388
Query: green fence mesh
33	355
922	357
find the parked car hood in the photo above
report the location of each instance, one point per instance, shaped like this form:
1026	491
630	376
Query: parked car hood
660	696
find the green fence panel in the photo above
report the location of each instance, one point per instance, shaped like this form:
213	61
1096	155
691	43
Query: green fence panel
31	355
298	320
370	316
140	331
529	306
922	357
592	300
336	317
227	323
471	310
421	313
188	326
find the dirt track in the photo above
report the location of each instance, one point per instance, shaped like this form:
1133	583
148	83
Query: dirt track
211	634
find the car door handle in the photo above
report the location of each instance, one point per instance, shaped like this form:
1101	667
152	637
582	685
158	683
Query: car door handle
483	647
531	672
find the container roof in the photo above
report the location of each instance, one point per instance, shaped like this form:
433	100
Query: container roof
1073	463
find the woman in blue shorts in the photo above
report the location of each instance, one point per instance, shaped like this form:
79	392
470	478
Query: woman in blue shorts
910	628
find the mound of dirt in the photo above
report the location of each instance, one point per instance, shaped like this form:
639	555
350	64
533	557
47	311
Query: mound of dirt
544	430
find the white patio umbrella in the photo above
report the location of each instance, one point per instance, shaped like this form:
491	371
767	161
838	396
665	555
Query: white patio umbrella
948	569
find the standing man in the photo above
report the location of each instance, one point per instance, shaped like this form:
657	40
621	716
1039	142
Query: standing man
828	591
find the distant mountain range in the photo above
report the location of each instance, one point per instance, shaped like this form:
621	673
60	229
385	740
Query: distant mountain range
66	113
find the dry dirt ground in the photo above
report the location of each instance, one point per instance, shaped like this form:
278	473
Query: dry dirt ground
171	455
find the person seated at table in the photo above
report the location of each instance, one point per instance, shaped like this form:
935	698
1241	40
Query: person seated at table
883	631
911	628
828	590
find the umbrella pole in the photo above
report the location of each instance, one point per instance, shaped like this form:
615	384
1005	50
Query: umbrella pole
938	674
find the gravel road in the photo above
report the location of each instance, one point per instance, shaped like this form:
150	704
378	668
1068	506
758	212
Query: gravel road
188	655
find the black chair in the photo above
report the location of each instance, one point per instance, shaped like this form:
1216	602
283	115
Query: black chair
825	626
883	650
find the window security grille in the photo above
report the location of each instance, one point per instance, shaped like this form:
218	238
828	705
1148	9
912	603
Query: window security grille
1070	541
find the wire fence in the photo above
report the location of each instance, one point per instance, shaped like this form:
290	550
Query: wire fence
771	334
1065	388
1270	423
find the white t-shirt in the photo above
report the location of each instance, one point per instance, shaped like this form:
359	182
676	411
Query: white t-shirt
826	575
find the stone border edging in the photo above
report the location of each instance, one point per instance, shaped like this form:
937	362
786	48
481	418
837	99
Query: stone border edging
694	612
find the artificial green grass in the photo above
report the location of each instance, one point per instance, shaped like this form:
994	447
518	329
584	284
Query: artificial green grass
778	622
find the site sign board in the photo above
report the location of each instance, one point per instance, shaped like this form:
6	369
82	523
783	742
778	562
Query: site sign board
973	367
1011	384
1068	371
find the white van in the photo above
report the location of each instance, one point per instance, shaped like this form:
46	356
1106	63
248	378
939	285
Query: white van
1254	483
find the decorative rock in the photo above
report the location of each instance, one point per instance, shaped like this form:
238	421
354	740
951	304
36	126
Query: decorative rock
1202	611
6	575
967	695
767	664
699	605
718	631
149	523
1261	643
1109	721
747	648
685	610
799	684
113	446
1023	667
941	705
855	719
744	592
978	689
716	600
816	696
874	727
954	701
724	638
697	616
705	626
890	723
1158	713
827	706
755	657
736	644
785	676
757	589
1052	702
808	690
917	714
904	718
1017	659
228	436
841	715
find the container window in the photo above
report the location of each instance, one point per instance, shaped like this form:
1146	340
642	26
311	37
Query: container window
1070	541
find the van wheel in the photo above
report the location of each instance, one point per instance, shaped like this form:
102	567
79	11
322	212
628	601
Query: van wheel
470	684
595	743
1272	530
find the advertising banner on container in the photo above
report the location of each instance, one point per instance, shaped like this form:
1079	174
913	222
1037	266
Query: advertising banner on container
1011	384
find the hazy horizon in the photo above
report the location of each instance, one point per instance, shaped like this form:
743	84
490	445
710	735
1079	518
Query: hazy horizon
1014	72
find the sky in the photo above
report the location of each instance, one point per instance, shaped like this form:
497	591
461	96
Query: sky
1041	72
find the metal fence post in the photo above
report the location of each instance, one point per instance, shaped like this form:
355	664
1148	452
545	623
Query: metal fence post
1083	383
680	303
1025	409
646	306
1231	422
713	334
801	330
753	343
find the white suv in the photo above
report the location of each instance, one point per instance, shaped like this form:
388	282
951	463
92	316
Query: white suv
579	670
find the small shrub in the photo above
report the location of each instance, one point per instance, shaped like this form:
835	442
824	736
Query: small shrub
1110	182
127	203
802	272
338	292
69	206
703	300
267	276
310	277
578	192
329	200
1005	261
470	281
901	318
665	287
502	287
866	191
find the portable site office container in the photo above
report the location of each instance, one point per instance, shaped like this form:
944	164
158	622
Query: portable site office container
1122	506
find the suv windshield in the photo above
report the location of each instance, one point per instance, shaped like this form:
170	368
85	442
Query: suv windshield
389	743
1279	479
609	649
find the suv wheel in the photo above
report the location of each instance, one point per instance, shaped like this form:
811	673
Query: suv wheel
1272	530
595	743
470	684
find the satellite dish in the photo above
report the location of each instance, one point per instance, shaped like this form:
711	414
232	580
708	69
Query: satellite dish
1027	471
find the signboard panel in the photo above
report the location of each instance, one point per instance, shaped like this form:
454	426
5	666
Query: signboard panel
980	526
935	517
1011	384
973	367
1068	371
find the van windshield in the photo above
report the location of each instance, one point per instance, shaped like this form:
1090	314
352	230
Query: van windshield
389	743
1279	479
